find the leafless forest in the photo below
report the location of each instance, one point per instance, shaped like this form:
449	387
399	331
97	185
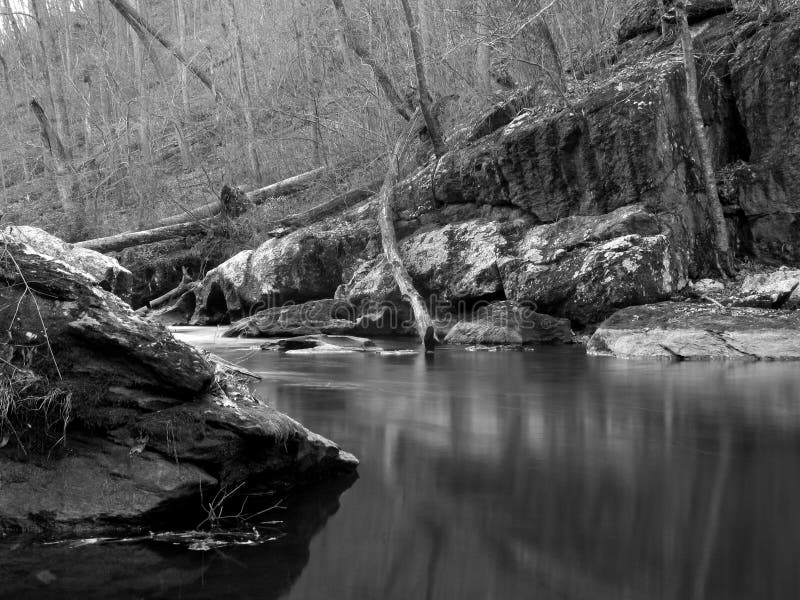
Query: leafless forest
118	112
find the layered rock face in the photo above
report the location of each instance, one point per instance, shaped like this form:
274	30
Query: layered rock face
578	210
131	419
685	331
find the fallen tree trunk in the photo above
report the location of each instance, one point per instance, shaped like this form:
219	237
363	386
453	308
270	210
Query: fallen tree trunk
212	209
422	318
184	285
285	187
114	243
231	205
326	208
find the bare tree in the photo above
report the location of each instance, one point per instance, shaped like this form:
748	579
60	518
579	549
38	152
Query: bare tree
62	169
483	56
381	76
143	27
244	86
425	98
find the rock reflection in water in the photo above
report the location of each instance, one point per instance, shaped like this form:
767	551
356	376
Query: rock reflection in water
554	475
29	569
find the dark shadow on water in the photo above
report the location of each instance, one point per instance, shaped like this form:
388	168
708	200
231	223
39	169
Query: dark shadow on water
30	569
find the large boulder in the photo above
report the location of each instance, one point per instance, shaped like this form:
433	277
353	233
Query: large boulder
307	264
121	420
644	16
328	317
104	270
776	289
316	316
685	331
581	268
509	323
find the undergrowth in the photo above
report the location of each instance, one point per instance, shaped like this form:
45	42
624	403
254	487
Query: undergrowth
34	414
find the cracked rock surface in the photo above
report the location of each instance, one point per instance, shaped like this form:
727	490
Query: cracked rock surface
687	331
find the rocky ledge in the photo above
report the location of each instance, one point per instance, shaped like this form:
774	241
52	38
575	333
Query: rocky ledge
691	331
578	210
108	420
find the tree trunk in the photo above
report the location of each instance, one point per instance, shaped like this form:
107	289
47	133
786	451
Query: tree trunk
341	201
286	187
141	26
142	114
180	17
241	73
115	243
422	318
483	56
381	76
231	203
425	98
205	211
62	169
6	77
52	78
720	229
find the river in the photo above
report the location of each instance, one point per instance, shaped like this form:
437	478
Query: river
507	475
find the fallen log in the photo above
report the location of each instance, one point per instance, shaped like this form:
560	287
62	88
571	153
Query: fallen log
285	187
422	318
212	209
120	241
184	285
232	200
326	208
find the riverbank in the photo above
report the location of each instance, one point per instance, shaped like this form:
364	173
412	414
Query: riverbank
108	422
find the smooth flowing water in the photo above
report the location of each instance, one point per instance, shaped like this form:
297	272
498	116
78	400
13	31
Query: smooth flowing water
544	474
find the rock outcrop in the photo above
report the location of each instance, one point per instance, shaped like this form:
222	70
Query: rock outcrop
579	210
509	323
645	17
307	264
127	419
581	268
687	331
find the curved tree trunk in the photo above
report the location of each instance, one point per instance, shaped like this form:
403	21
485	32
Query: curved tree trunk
422	318
721	239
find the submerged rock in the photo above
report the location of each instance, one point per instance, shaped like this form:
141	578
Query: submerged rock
327	316
509	323
686	331
115	420
322	343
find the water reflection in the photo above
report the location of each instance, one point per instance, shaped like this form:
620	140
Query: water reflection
157	570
